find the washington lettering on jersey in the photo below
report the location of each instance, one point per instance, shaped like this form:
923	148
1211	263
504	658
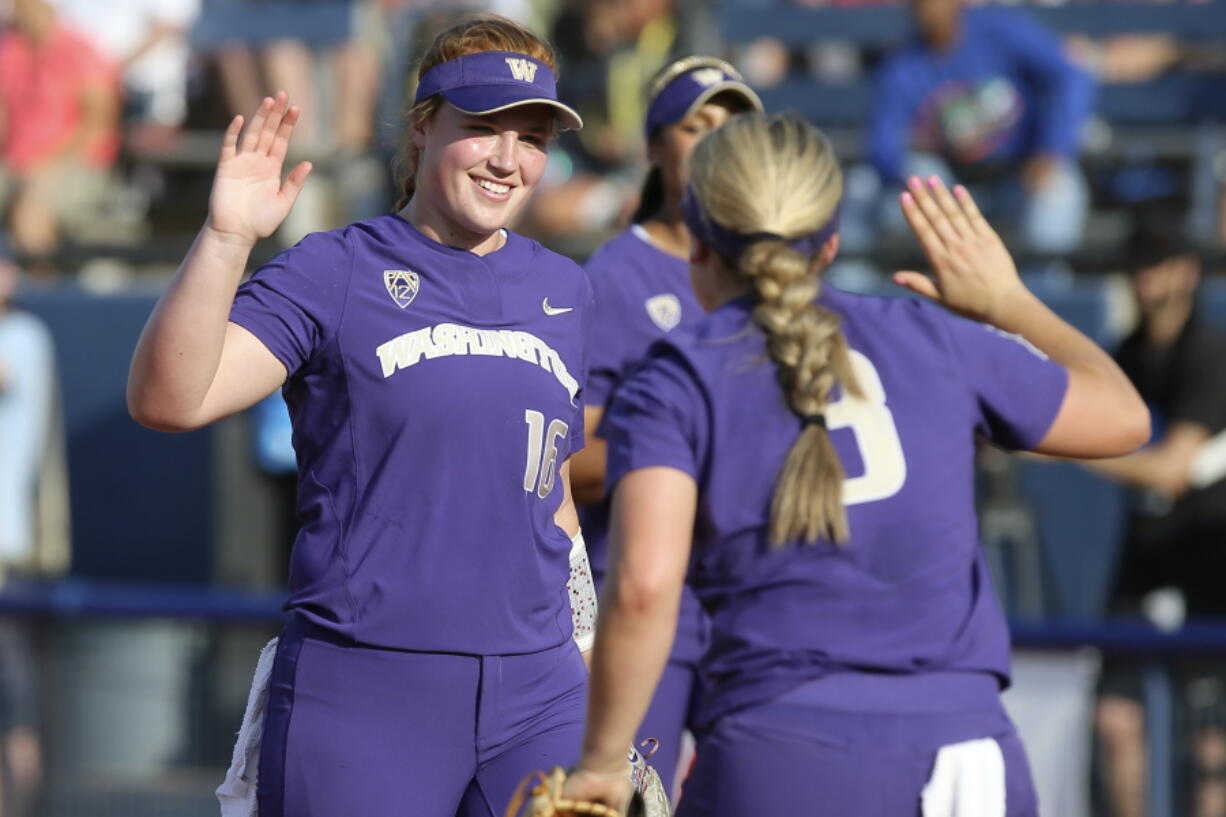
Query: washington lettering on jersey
446	339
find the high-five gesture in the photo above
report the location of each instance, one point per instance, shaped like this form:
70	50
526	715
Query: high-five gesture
249	199
973	273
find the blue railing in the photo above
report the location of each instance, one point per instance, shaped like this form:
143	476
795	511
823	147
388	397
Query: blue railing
77	602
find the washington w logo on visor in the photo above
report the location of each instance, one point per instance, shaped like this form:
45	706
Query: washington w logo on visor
707	77
402	285
522	69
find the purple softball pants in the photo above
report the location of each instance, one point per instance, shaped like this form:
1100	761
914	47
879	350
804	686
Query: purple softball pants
353	730
801	755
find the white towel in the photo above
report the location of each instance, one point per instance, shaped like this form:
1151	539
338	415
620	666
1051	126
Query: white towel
237	791
968	780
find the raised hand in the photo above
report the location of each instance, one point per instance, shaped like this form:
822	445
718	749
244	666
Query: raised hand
973	273
249	199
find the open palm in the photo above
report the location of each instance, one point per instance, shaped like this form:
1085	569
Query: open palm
973	273
249	199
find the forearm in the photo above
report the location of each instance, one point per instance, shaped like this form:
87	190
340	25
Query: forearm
180	348
1135	469
633	639
588	472
1165	467
1029	317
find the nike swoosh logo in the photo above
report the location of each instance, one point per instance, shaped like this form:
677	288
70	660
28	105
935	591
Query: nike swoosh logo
555	310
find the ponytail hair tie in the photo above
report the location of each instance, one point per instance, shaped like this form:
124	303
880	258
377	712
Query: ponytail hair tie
814	420
730	243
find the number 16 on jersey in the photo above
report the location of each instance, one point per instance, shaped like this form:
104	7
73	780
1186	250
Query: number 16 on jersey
542	464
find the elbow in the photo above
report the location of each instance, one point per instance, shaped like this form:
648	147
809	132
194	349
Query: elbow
643	592
1133	428
152	416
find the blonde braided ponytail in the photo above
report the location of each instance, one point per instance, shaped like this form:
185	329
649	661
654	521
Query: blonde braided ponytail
776	178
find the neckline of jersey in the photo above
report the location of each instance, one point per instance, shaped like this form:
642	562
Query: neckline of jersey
510	260
640	232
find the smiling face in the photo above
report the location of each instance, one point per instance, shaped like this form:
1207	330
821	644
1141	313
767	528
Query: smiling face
671	149
475	173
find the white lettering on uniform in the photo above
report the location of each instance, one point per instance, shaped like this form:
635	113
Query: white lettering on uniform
448	339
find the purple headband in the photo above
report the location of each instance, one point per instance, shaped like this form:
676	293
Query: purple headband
492	81
679	98
730	244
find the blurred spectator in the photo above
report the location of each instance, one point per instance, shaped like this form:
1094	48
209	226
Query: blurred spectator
325	55
322	52
59	101
148	40
609	50
987	97
1176	530
30	542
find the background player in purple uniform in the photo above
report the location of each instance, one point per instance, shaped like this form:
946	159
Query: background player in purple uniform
641	284
818	448
432	361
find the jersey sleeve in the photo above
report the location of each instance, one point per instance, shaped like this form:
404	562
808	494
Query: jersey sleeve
293	303
1017	389
659	417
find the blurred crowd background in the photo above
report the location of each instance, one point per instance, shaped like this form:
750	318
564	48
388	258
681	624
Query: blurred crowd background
141	572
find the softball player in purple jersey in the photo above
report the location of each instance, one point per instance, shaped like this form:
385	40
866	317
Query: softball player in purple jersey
432	361
817	447
641	283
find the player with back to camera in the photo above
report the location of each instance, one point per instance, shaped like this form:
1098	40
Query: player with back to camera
432	361
817	448
640	280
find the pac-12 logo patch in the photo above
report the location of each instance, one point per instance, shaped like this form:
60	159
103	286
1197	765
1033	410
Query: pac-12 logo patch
664	310
402	285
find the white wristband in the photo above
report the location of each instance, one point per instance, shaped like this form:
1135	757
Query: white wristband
582	592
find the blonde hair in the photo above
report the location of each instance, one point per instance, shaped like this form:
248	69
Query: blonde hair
470	35
778	175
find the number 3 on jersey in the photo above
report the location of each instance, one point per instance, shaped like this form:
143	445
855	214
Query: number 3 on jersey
885	467
541	468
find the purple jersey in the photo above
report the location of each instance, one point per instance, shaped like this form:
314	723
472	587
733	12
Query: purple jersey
435	394
909	592
642	295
